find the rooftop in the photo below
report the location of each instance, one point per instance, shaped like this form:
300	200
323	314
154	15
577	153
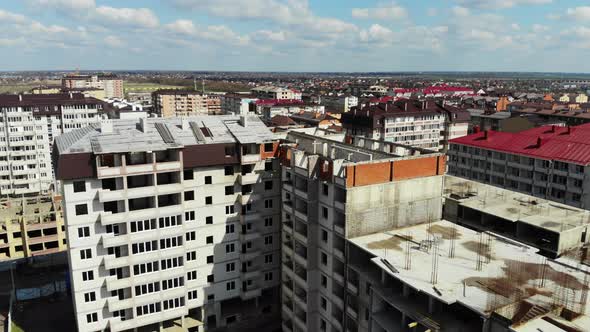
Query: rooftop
482	271
568	144
154	134
24	100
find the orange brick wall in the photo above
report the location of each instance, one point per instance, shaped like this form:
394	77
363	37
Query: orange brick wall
274	153
362	175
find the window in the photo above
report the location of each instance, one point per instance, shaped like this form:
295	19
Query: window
229	190
191	256
92	318
189	195
228	170
230	267
83	232
268	185
192	295
85	253
324	258
210	259
138	248
268	222
172	283
325	212
171	263
210	278
268	240
191	275
324	281
268	166
268	203
230	247
209	220
90	297
208	179
87	275
190	236
267	258
230	285
81	209
208	200
209	239
324	236
189	216
229	151
79	186
267	276
147	288
229	228
325	189
170	242
189	174
323	325
324	303
268	147
145	268
230	209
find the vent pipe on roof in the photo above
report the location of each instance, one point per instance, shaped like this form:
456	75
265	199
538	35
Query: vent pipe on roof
569	130
553	128
406	106
184	125
486	134
244	120
71	95
539	142
143	126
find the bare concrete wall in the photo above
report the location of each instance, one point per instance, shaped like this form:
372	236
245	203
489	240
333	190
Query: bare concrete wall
398	204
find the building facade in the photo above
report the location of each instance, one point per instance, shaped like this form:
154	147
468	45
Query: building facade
550	162
238	104
171	103
110	84
172	222
29	124
273	92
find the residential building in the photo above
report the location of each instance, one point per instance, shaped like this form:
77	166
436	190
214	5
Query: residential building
581	98
315	119
408	122
340	104
29	125
238	104
270	108
553	112
506	121
111	84
273	92
177	102
333	191
549	162
31	226
172	222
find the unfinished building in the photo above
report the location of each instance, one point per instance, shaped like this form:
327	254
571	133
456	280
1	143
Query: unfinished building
31	226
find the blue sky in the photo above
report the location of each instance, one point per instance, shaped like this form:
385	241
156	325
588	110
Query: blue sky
296	35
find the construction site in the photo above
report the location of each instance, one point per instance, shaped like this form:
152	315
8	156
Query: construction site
440	276
31	226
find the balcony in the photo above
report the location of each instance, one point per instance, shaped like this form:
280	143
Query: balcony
108	218
168	166
250	292
352	313
115	304
111	240
250	254
340	206
106	195
250	158
249	236
112	262
249	178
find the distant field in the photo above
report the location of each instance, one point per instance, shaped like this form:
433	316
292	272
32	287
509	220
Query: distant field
147	87
24	87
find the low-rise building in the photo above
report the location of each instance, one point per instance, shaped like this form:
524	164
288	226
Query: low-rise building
30	227
110	84
238	104
273	92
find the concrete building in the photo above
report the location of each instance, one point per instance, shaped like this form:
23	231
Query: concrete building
214	104
549	162
273	92
172	223
30	227
333	191
409	122
271	108
177	102
238	104
507	122
111	84
28	127
555	229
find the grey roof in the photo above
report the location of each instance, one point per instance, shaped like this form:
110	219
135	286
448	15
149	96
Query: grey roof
162	133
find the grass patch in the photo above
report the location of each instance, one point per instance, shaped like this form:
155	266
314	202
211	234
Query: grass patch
16	328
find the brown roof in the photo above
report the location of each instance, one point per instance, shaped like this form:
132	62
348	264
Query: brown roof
281	121
12	100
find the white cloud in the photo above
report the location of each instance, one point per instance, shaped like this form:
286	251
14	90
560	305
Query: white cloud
579	13
539	28
267	35
390	11
8	17
114	41
515	26
217	33
377	34
65	5
432	12
460	11
185	27
135	17
501	4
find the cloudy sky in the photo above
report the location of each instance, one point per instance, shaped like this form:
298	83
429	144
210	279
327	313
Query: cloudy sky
296	35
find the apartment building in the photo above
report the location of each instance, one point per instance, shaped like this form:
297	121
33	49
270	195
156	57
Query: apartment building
110	84
423	124
333	191
176	102
172	223
31	227
28	126
214	104
273	92
549	162
238	104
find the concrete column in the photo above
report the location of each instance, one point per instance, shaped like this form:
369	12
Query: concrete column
161	325
404	325
406	290
431	305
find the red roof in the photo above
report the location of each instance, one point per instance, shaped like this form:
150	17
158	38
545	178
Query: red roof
273	102
568	144
435	89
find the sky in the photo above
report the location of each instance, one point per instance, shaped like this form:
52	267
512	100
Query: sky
296	35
